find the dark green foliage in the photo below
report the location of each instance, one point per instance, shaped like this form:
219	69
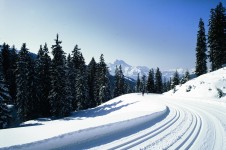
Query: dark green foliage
4	97
24	87
82	93
120	85
60	105
158	81
92	68
217	37
175	80
151	82
9	66
138	84
102	89
201	49
185	78
143	81
42	69
12	74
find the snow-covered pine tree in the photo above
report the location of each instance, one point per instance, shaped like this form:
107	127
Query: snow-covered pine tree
91	70
12	74
6	64
143	80
151	82
187	76
116	82
217	37
138	84
4	97
119	88
60	105
23	97
75	60
175	80
34	103
158	81
201	49
121	81
82	93
103	82
42	69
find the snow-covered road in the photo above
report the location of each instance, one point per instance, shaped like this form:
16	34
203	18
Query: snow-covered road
190	124
176	123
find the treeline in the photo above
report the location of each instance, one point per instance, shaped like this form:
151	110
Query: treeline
155	83
38	86
215	41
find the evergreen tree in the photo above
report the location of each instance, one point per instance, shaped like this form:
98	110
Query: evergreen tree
119	82
23	97
138	84
176	80
60	105
201	49
82	93
12	74
217	37
187	76
158	81
4	97
143	81
103	86
43	63
5	61
92	68
151	82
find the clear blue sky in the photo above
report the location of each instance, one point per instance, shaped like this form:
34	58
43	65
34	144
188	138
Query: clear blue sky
141	32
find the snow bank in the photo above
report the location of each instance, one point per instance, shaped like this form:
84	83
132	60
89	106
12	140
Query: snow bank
115	115
207	86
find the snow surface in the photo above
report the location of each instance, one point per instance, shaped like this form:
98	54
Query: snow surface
117	114
180	120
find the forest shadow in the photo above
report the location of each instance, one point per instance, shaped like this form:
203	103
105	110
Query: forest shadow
98	111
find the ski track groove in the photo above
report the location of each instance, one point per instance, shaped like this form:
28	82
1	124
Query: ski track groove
150	134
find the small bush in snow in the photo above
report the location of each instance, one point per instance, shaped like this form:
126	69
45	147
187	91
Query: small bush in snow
188	89
220	93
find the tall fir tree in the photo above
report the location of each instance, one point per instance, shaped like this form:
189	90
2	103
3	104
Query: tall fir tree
4	97
12	74
23	98
151	82
91	70
42	70
103	83
217	37
60	105
138	84
6	61
143	81
158	81
119	88
201	49
82	93
175	80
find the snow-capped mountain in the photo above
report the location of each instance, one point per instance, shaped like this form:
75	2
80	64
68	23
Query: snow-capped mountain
132	71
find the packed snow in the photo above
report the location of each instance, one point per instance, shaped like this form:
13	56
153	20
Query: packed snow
178	119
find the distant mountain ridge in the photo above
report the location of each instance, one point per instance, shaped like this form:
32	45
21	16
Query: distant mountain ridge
132	71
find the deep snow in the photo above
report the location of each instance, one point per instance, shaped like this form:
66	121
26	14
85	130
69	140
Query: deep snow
185	119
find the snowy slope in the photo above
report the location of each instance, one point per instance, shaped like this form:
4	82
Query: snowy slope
132	71
117	114
181	120
205	86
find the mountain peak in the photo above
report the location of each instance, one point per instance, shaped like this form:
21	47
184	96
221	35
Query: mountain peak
121	62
